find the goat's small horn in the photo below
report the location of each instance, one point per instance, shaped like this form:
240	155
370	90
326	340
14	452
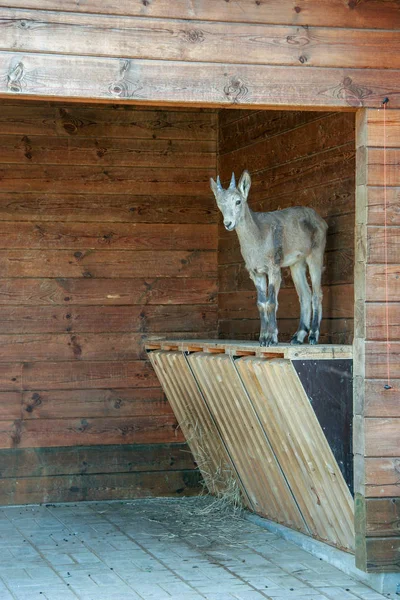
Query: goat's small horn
232	184
219	183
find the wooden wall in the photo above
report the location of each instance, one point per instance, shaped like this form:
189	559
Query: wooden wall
108	237
295	158
377	410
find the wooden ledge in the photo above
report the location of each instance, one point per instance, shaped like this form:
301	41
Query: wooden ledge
240	348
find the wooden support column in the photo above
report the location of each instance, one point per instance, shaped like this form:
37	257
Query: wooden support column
376	409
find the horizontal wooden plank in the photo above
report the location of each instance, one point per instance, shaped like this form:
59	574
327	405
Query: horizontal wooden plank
383	555
374	127
131	122
382	437
376	283
311	138
382	477
66	347
333	331
108	486
380	402
118	236
376	321
97	35
75	150
37	433
115	180
376	203
84	460
105	263
109	292
376	360
249	127
381	164
112	79
337	303
380	238
327	12
107	208
60	404
383	517
111	319
79	375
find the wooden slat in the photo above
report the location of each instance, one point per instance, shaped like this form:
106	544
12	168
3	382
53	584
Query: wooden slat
376	159
383	554
131	122
10	406
112	319
374	125
72	33
383	517
118	236
376	283
382	477
376	320
379	401
382	437
376	244
196	422
252	455
111	292
103	263
74	404
74	150
38	433
376	360
125	458
327	12
108	486
376	203
337	303
301	448
79	375
92	180
255	85
107	208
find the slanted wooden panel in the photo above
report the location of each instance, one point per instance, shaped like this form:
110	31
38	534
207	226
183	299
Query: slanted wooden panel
301	448
195	420
245	439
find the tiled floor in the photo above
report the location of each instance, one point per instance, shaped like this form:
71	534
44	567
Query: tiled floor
156	550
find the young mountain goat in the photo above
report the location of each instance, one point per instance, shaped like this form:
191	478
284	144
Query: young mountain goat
293	237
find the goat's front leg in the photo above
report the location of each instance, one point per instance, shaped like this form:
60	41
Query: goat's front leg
260	281
271	307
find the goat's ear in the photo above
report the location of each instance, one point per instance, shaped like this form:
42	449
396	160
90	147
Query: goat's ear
244	184
214	187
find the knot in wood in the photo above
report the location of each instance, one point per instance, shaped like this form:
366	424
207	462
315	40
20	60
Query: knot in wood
193	36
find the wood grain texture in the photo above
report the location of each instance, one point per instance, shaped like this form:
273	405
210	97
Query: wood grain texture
108	486
146	38
333	13
383	517
382	477
72	460
383	554
112	79
382	437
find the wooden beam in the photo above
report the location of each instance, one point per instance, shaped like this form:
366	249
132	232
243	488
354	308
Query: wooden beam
111	79
160	39
334	13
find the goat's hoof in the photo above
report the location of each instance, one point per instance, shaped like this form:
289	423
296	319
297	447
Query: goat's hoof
295	341
313	339
268	340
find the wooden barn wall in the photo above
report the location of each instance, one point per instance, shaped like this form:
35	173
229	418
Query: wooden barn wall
377	291
295	158
108	237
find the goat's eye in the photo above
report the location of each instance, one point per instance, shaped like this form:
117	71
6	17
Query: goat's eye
237	202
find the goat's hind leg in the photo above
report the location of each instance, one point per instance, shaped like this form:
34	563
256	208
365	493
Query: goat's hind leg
315	266
299	277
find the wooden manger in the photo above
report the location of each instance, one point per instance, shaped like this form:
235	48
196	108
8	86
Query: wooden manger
277	420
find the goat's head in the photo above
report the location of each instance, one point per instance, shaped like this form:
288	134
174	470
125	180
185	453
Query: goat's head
231	202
